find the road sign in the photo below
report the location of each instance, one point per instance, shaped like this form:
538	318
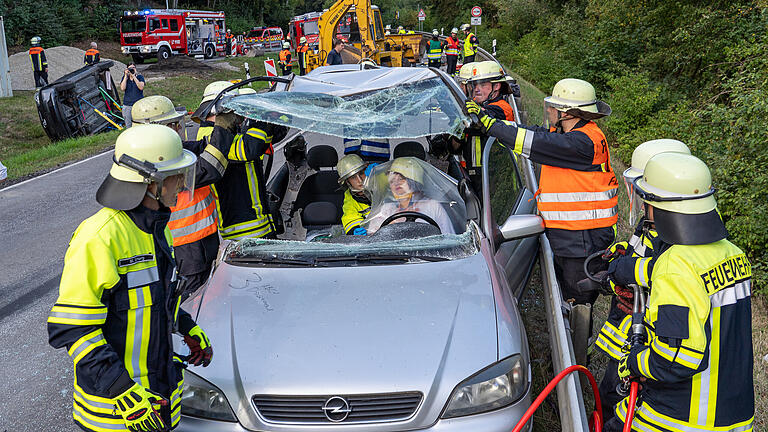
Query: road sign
475	21
269	68
422	15
476	11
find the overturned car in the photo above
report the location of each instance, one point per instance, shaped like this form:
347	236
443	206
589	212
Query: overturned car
412	327
83	102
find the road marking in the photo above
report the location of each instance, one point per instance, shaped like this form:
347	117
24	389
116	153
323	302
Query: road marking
54	171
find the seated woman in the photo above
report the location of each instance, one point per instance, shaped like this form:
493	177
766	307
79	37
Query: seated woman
352	172
411	185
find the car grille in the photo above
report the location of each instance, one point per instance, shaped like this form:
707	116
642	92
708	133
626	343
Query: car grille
385	407
132	40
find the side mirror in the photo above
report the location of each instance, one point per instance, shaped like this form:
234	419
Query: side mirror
521	226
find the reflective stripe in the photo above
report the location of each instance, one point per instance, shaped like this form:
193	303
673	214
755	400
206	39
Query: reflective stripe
258	228
608	348
192	210
731	295
137	335
195	227
143	277
676	355
646	417
641	271
86	344
578	215
91	423
477	152
218	165
74	315
577	196
90	403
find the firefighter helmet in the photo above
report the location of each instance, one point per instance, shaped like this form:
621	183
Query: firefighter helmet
209	94
286	45
36	40
348	166
577	98
303	40
146	154
640	157
679	188
409	168
155	109
465	73
435	32
454	31
399	28
465	27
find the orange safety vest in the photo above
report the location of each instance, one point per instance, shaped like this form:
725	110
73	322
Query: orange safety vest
90	55
37	59
284	57
452	46
580	200
509	113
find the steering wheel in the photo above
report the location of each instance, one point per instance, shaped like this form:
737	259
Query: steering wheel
410	216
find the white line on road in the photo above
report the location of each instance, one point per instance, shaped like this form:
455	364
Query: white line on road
54	171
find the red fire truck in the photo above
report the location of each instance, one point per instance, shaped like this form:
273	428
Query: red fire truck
162	33
265	38
305	25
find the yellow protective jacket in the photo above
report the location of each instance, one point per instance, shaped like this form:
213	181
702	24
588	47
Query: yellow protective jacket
355	211
698	360
115	313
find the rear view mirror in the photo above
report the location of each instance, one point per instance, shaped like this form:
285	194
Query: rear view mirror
521	226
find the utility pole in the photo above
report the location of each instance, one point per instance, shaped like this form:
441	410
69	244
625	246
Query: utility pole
5	67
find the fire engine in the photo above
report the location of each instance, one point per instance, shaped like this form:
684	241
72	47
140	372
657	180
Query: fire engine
265	38
165	32
305	25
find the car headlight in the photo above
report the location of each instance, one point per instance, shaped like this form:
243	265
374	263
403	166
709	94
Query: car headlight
145	49
199	398
501	384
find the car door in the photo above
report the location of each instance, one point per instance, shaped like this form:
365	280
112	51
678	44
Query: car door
507	196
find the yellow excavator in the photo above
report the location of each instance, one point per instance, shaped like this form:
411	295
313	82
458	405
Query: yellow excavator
359	24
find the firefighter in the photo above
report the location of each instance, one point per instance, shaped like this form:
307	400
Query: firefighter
631	262
352	174
487	85
118	302
285	59
387	30
229	38
577	195
400	30
92	55
696	367
39	62
451	49
193	222
302	53
470	44
435	50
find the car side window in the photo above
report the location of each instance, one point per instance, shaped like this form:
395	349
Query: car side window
165	23
154	24
174	25
504	182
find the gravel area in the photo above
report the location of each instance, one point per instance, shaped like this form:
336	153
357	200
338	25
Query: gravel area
61	61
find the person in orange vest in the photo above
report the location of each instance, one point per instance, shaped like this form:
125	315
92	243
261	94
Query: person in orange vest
487	86
577	195
229	39
39	62
285	60
451	48
92	55
301	53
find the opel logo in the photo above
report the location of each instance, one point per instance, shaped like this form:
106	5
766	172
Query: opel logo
336	409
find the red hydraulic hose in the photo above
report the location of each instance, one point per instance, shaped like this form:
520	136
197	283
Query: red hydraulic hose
598	413
633	389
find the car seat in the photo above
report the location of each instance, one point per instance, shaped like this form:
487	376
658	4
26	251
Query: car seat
410	148
321	186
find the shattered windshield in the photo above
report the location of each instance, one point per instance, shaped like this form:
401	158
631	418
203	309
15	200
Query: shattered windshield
323	251
361	104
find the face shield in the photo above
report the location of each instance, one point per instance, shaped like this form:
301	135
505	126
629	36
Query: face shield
175	179
636	207
553	114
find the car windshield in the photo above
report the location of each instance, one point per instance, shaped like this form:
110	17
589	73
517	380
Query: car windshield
377	103
133	25
324	251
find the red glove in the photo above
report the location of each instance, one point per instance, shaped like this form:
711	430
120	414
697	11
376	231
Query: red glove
200	349
625	297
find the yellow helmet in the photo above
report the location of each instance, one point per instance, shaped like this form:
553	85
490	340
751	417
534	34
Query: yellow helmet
485	71
409	168
155	109
348	166
464	27
465	73
209	94
303	40
679	188
36	40
577	97
144	154
286	45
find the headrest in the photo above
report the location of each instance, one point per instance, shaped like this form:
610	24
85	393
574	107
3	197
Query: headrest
320	213
410	148
322	156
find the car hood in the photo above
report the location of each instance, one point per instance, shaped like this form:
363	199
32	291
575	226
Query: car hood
348	330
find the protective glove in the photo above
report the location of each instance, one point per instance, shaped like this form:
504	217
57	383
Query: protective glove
624	373
200	349
616	250
625	298
486	121
137	406
360	231
229	121
370	168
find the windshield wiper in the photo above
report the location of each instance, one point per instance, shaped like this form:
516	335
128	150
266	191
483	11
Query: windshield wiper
271	260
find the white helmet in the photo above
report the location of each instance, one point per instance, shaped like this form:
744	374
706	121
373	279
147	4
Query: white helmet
464	27
435	32
577	97
454	30
209	94
286	45
36	40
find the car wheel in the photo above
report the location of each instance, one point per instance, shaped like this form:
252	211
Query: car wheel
209	51
137	58
164	53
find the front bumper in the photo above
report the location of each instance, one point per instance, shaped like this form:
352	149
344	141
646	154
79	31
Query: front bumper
138	49
503	420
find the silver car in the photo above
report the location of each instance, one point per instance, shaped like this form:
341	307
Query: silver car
408	329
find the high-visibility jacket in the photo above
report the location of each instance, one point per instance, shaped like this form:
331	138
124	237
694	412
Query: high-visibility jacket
241	195
91	56
698	360
639	261
302	54
115	313
452	46
470	45
435	50
500	109
285	58
355	211
402	31
37	56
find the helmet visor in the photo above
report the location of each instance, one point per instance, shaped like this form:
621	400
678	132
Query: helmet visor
178	186
636	207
